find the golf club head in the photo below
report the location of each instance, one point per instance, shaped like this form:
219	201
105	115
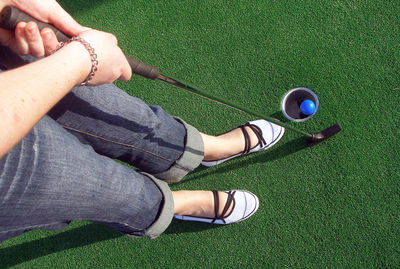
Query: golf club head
323	135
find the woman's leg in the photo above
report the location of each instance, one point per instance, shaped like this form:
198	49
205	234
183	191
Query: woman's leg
123	127
50	178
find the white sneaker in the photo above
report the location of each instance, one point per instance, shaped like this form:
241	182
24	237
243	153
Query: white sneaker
268	134
245	204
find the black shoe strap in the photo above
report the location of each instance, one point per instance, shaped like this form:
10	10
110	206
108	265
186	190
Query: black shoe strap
257	131
247	143
216	205
228	204
226	207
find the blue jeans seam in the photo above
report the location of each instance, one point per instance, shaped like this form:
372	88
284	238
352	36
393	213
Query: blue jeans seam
122	144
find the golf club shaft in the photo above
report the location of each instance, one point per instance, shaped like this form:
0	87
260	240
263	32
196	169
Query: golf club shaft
10	17
228	103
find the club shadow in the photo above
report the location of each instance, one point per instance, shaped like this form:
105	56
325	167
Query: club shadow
77	237
279	116
278	152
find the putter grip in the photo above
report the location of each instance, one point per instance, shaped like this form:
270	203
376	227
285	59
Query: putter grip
11	16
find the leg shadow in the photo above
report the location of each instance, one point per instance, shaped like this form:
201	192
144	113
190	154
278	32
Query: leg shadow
77	237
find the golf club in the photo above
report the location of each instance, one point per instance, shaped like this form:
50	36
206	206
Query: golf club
10	17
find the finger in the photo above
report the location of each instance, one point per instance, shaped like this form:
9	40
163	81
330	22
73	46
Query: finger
50	41
34	39
21	45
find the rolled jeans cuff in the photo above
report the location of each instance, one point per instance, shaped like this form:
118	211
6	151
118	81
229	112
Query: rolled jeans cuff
166	212
191	158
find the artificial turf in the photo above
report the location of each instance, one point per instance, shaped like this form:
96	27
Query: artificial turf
334	205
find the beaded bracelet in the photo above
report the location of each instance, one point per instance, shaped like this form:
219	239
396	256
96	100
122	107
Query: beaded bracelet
93	57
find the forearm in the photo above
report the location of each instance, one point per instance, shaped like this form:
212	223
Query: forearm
29	92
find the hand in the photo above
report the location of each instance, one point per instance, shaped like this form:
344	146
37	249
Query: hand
112	63
27	39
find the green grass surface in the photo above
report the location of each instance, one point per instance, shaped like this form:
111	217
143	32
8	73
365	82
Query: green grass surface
334	205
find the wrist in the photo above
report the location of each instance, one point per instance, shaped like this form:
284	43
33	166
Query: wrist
93	58
83	51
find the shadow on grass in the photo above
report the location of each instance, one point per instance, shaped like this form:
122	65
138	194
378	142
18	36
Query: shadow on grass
77	237
276	153
279	116
180	226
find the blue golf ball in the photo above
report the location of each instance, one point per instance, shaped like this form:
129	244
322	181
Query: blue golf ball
307	107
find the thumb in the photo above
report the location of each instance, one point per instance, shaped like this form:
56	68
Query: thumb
65	23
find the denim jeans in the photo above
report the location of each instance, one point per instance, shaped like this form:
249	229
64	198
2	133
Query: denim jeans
65	168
